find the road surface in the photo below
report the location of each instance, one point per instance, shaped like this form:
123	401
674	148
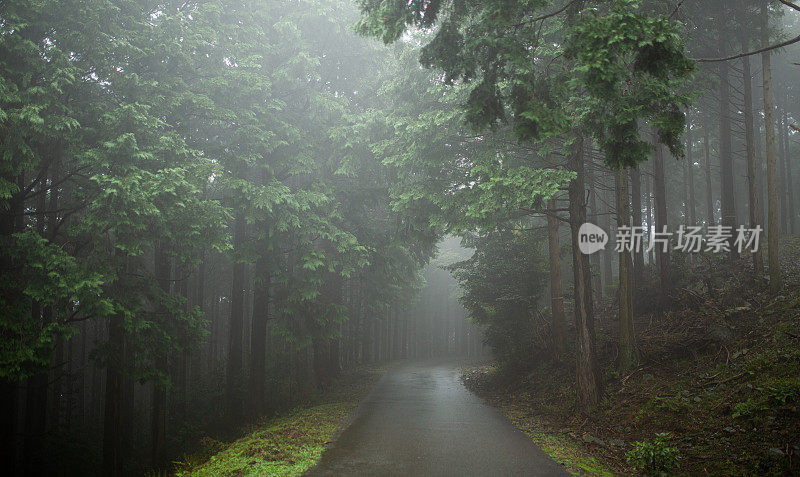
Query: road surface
420	420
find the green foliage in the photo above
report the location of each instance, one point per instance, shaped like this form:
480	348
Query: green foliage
624	66
43	277
632	66
654	457
502	284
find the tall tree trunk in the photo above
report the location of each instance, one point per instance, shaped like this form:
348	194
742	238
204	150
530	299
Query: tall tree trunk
556	287
792	212
783	189
36	393
163	272
691	205
9	395
588	384
35	414
113	442
258	336
636	204
709	190
607	253
773	226
725	154
234	372
595	260
627	337
660	197
752	179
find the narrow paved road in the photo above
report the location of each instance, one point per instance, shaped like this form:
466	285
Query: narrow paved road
419	420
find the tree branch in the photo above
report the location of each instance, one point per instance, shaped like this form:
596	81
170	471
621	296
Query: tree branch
790	4
546	16
675	10
742	55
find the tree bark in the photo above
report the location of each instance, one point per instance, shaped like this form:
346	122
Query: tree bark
234	366
792	212
660	197
752	180
627	337
773	226
556	287
636	204
113	450
258	336
691	207
163	272
588	384
596	260
725	154
709	191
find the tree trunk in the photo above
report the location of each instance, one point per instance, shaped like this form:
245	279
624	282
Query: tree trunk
258	335
709	190
234	366
627	337
725	154
752	180
660	197
556	287
113	450
588	384
595	260
691	208
792	212
36	392
773	227
783	189
636	203
163	271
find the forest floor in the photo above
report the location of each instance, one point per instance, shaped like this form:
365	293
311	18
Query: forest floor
719	371
288	444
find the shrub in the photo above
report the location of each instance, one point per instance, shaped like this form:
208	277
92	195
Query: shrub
654	457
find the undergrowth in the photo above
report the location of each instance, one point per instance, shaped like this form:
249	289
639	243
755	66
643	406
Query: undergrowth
286	445
719	371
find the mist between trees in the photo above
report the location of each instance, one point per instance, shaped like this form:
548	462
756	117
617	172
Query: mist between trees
210	209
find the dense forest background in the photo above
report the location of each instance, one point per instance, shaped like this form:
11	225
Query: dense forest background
210	209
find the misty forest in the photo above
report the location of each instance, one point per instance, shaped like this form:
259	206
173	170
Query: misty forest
350	237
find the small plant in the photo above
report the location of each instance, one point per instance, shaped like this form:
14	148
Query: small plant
654	457
748	408
782	391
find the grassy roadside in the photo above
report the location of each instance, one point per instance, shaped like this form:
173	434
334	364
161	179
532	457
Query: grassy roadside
290	444
719	372
517	406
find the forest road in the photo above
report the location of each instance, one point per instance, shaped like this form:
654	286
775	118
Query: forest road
419	420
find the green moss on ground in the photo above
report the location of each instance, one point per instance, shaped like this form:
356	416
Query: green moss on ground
286	445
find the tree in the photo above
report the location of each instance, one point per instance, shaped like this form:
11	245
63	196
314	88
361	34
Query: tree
773	224
502	82
627	337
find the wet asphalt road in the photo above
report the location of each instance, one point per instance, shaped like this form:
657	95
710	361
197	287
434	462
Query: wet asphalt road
420	420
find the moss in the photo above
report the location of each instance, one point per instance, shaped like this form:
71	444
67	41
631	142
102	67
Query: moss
284	447
561	448
289	444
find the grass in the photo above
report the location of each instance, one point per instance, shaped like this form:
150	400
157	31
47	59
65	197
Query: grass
286	445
